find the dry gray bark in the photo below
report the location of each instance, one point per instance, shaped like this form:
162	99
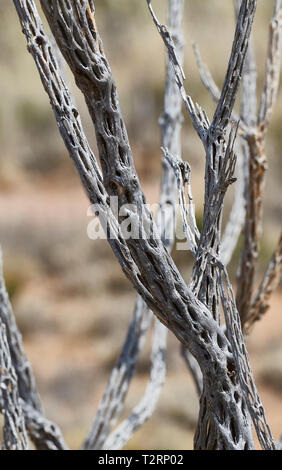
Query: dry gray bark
224	420
235	222
233	323
59	15
261	299
118	384
170	123
47	435
257	164
182	172
193	367
14	431
207	270
243	369
246	118
113	398
147	404
176	298
253	127
26	382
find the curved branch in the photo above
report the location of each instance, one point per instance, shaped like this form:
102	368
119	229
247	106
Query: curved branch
146	262
210	84
112	402
272	72
147	404
193	367
271	279
117	387
28	394
197	115
257	166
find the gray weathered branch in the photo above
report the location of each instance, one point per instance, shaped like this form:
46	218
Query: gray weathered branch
29	398
219	173
112	401
193	367
260	301
243	369
272	72
120	378
146	262
198	116
148	402
14	431
257	165
170	296
170	122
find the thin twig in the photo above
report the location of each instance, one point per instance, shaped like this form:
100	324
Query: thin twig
148	402
260	301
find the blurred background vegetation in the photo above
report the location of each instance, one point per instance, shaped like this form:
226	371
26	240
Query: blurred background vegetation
71	300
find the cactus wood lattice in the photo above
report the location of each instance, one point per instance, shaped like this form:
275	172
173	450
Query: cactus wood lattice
214	349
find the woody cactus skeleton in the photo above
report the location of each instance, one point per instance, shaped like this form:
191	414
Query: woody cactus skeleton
229	402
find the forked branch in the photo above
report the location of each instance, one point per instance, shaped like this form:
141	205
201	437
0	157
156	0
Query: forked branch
146	261
120	378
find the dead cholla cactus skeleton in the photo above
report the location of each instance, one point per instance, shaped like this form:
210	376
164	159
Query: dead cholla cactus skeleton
230	407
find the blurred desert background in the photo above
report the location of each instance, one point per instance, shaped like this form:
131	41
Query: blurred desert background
72	302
